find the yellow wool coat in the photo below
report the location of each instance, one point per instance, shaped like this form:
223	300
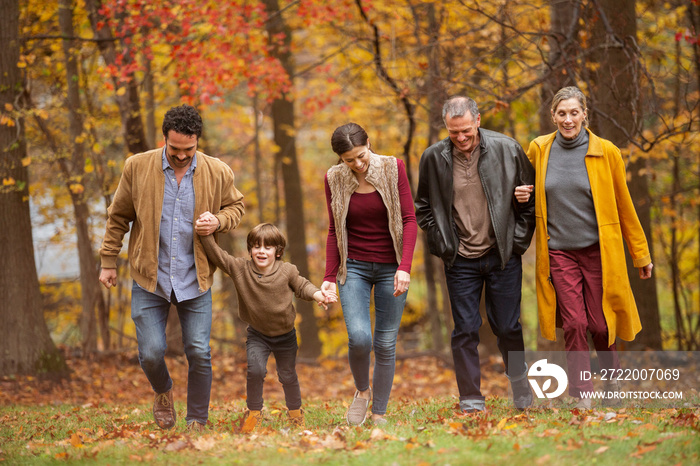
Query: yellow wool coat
616	218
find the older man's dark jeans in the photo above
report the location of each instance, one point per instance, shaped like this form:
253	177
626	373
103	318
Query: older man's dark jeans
465	281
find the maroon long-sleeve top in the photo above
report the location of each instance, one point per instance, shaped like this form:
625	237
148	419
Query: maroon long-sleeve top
368	233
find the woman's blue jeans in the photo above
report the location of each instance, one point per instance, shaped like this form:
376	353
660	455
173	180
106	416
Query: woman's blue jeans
355	299
150	315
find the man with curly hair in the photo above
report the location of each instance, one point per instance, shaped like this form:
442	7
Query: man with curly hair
160	196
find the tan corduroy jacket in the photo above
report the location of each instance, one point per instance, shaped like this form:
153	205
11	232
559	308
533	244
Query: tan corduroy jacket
139	199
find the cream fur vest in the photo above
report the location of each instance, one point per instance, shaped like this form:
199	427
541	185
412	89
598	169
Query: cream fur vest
383	174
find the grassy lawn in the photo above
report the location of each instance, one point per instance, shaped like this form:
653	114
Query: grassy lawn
420	431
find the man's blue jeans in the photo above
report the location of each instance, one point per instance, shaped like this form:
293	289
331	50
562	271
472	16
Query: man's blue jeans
150	314
355	299
465	281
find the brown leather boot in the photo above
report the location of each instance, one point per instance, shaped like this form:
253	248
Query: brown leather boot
164	410
252	419
296	418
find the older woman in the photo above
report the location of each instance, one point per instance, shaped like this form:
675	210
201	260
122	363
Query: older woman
371	237
583	212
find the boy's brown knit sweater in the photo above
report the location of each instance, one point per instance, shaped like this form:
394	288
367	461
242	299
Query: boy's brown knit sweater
264	301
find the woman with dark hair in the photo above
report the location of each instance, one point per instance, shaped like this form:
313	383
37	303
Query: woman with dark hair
371	236
583	212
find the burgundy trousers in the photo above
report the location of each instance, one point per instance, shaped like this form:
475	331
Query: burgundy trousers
577	277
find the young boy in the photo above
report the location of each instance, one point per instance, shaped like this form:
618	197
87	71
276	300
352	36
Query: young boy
265	287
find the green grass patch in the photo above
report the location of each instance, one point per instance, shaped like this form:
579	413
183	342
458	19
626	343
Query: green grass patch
427	431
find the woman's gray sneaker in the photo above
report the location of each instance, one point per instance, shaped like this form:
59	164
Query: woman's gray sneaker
357	412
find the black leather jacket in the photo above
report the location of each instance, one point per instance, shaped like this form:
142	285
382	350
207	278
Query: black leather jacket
502	166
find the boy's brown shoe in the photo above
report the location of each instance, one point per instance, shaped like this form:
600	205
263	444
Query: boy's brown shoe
251	420
164	410
195	427
296	418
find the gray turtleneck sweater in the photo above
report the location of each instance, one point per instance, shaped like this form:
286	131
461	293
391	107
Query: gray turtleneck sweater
571	219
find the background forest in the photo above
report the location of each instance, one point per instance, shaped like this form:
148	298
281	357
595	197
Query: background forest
85	84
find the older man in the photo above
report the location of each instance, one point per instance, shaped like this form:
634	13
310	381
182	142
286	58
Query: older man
465	204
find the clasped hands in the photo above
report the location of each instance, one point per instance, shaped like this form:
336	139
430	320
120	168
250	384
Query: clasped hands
206	224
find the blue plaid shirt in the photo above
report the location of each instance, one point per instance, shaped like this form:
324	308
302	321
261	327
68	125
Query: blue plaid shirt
177	273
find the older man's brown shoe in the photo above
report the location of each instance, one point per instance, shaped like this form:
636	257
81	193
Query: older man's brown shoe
164	410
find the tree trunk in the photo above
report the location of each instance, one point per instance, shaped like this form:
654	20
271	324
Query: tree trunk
74	173
283	123
25	344
562	31
439	325
616	116
694	17
149	86
128	102
132	123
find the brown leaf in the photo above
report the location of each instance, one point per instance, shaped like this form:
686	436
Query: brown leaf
176	446
204	443
501	423
601	450
75	440
642	450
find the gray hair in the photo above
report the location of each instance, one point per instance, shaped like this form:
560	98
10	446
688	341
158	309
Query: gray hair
458	106
566	93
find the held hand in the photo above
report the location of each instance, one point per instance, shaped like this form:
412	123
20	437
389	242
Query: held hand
329	287
108	277
401	281
645	272
330	296
321	299
206	224
522	193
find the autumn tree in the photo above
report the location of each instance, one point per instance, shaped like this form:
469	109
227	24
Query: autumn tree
678	225
73	169
562	46
286	157
25	344
617	116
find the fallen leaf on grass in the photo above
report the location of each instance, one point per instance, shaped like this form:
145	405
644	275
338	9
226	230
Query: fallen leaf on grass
332	442
549	433
544	460
641	450
75	441
360	446
204	443
176	446
571	445
601	450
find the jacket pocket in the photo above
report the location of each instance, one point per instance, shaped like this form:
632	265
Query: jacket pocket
436	243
